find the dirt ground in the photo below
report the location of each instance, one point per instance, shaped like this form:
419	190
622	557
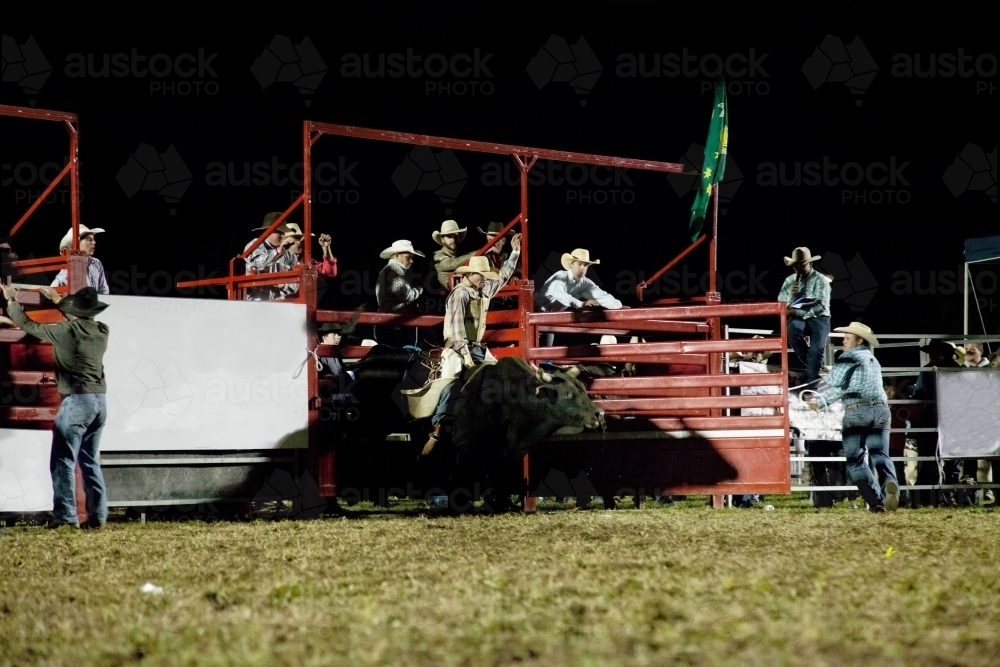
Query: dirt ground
682	585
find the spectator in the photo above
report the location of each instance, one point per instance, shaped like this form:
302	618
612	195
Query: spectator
995	360
78	344
395	294
495	254
95	270
974	356
856	379
271	256
942	355
446	258
571	288
810	291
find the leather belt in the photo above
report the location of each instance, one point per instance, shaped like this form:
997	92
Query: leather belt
863	404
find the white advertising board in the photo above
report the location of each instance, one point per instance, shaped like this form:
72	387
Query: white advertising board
25	482
969	412
186	374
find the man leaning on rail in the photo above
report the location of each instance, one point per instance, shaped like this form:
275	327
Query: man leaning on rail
79	344
856	379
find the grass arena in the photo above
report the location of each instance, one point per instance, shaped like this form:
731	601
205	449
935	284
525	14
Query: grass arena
682	585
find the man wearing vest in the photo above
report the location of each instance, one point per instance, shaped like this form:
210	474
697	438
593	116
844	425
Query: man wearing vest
465	318
78	344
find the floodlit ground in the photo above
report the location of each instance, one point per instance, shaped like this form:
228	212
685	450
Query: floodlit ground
683	585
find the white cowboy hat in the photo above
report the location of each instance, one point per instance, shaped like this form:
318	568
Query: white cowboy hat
578	255
400	246
67	240
479	265
449	227
859	329
293	229
608	339
801	255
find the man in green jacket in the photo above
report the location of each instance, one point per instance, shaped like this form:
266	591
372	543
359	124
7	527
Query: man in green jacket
79	344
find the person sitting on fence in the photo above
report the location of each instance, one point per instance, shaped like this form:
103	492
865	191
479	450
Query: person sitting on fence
807	295
395	294
571	288
273	255
95	270
292	240
974	356
495	254
446	258
856	379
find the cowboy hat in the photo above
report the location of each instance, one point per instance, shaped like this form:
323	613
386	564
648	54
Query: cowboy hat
493	229
449	227
268	219
400	246
293	229
67	240
345	329
859	329
578	255
82	304
938	345
801	255
479	265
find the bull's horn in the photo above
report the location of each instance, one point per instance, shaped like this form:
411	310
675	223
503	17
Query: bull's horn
573	372
543	376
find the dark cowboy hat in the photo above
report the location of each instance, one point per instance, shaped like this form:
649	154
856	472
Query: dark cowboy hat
938	345
345	329
268	219
494	228
82	304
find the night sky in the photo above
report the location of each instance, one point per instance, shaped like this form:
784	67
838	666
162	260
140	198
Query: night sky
842	93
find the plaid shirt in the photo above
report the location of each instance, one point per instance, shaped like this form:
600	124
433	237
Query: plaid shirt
458	300
815	286
856	377
561	292
265	259
393	290
95	276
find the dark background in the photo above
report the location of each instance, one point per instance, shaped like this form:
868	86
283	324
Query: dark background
895	250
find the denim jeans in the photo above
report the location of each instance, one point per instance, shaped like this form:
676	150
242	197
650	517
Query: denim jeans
866	430
77	436
811	353
443	408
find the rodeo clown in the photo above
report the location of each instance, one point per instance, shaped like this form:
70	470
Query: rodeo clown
465	319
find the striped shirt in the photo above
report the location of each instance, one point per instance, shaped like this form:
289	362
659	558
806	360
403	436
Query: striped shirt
265	259
393	290
813	285
856	377
562	292
454	313
95	277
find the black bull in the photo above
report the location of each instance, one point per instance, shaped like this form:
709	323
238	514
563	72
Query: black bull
502	411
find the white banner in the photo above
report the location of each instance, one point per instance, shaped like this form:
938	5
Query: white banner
969	412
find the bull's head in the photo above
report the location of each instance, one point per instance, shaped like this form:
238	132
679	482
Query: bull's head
569	397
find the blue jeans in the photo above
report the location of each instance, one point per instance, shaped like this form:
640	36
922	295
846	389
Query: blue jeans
77	436
441	411
866	429
811	353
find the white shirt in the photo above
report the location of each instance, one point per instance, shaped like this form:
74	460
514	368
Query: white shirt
982	362
95	276
562	292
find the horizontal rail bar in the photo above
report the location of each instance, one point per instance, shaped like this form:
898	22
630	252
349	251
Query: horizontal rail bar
641	315
690	402
37	114
613	385
717	423
499	149
192	460
407	319
658	326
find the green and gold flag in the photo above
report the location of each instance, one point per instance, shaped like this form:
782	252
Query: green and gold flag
715	159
